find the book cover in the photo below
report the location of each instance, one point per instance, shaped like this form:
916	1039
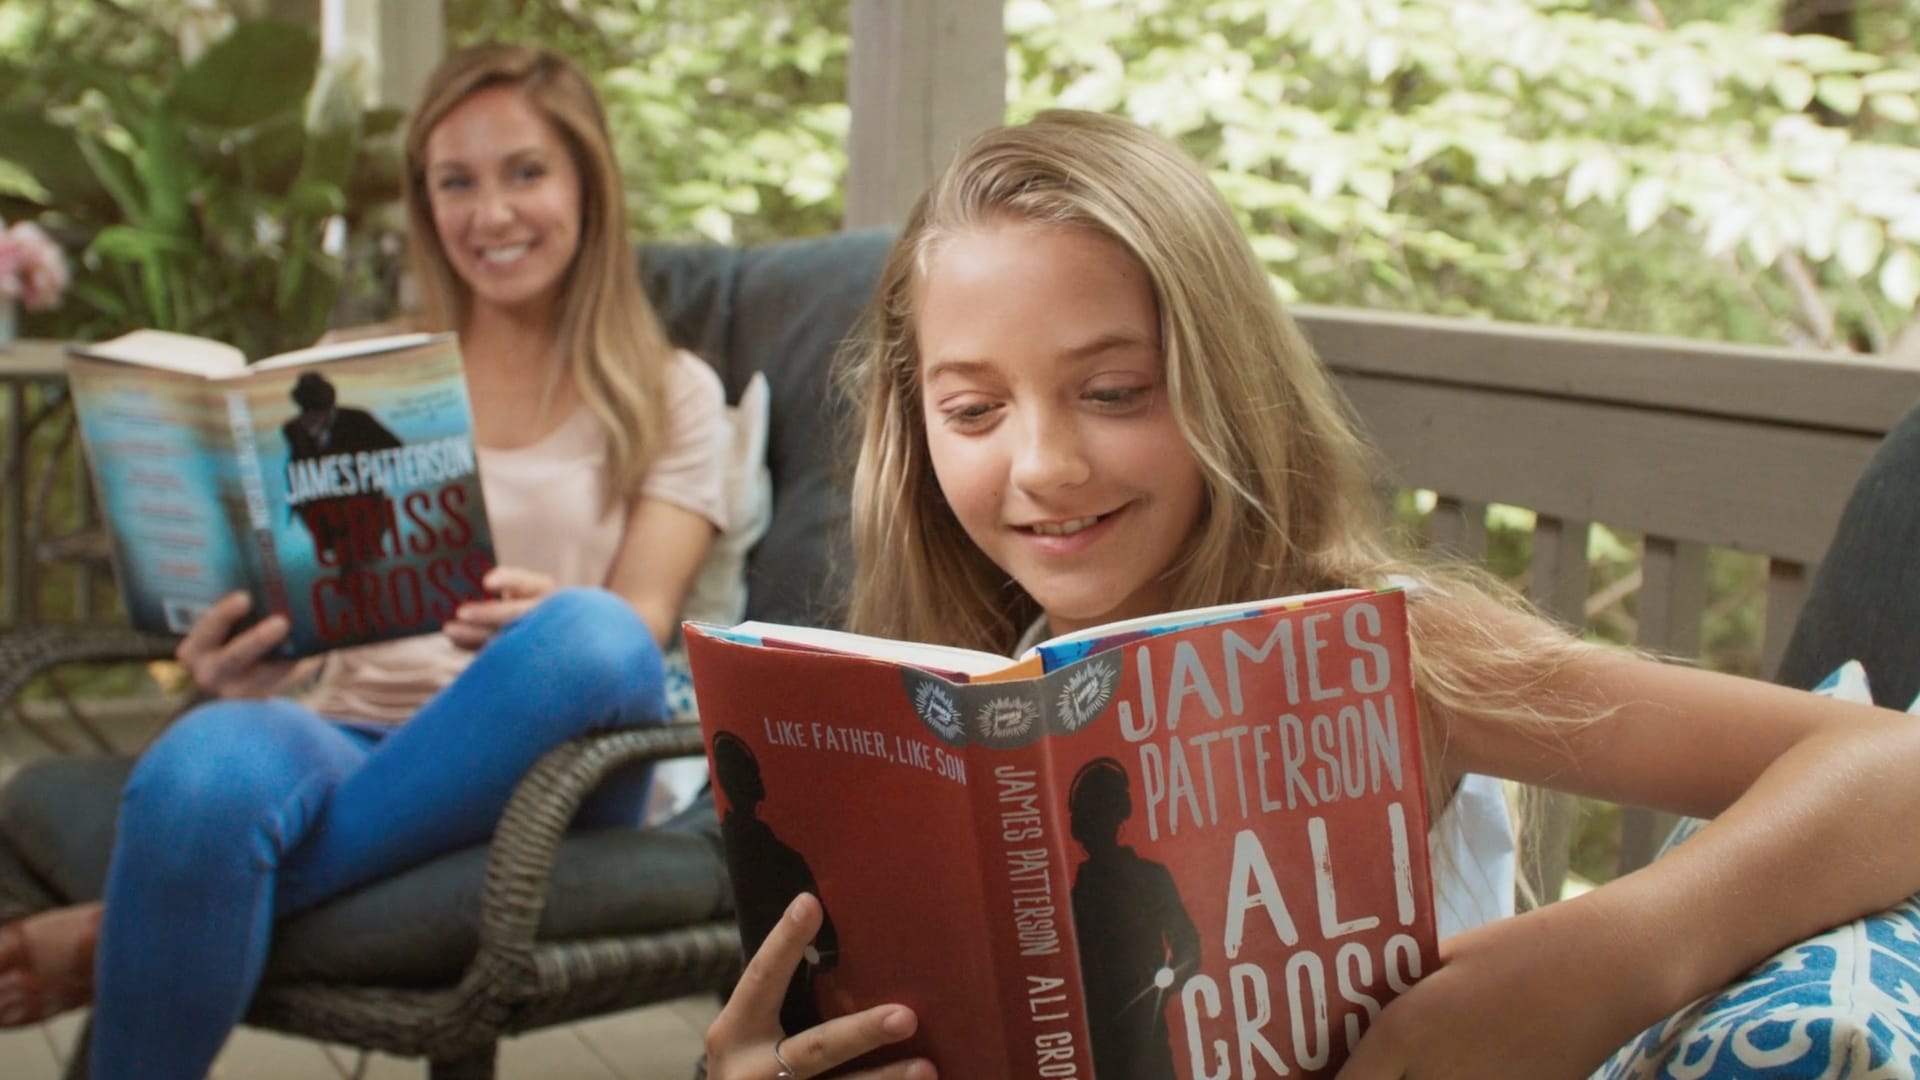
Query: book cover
1200	853
340	487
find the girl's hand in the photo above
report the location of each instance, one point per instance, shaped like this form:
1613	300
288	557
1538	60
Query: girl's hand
1547	994
743	1038
228	665
516	591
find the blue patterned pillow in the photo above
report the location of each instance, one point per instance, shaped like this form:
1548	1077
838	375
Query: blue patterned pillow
1844	1003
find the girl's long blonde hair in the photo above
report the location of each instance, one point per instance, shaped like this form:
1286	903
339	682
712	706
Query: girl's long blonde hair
608	339
1291	498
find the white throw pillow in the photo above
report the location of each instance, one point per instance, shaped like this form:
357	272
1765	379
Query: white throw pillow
720	591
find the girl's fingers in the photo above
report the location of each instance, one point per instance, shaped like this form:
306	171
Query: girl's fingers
755	1004
840	1040
917	1069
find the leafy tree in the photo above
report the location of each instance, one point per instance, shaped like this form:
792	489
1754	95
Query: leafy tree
1634	164
1524	159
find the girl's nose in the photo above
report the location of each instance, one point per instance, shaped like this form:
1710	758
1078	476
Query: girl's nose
1050	456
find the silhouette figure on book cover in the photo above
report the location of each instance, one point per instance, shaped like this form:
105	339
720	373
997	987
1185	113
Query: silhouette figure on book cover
347	530
1136	939
767	875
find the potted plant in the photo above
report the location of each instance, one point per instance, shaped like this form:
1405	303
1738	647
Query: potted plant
33	273
213	205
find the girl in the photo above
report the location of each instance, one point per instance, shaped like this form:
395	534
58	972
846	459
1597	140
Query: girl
1083	404
601	455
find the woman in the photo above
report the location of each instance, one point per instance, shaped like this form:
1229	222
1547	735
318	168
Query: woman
601	454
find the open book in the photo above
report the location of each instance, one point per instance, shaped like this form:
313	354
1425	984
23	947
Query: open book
1186	846
338	484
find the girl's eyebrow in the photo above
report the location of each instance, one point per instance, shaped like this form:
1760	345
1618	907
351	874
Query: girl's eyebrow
1099	346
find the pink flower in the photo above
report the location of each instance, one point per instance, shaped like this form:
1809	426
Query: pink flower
32	268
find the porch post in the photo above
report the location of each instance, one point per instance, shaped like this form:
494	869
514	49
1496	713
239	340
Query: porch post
924	75
399	42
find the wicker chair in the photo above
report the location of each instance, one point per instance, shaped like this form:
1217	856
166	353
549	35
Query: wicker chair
544	925
522	975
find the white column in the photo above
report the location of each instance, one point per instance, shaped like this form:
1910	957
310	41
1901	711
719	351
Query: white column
398	41
924	75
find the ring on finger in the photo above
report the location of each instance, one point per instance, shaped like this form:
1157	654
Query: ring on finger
786	1068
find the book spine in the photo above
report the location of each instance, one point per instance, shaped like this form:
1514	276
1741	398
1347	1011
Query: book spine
1027	880
269	584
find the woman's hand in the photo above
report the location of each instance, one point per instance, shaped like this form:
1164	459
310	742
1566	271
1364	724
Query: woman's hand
742	1042
515	593
228	665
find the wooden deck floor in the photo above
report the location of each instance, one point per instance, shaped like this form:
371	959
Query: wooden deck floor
656	1043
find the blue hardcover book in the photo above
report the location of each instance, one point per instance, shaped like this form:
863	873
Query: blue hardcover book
339	484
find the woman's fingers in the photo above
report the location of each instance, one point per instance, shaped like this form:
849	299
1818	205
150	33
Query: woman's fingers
515	592
467	635
517	583
232	667
210	630
493	613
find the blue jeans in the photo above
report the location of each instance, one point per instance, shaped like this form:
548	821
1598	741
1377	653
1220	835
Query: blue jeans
247	811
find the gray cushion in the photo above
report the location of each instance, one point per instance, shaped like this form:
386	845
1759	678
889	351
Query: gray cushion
1864	602
785	309
419	928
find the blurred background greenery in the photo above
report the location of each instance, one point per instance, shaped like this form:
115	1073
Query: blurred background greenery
1667	166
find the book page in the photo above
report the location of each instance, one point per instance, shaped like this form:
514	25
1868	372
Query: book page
945	659
168	351
1057	652
341	350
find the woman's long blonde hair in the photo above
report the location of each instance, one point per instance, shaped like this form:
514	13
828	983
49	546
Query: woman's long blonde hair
608	338
1291	502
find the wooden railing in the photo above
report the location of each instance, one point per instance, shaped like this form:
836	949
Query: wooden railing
1694	445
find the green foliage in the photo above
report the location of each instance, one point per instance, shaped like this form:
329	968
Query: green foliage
197	193
1628	164
1522	159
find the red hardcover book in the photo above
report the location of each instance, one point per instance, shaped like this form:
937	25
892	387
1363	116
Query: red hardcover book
1192	846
